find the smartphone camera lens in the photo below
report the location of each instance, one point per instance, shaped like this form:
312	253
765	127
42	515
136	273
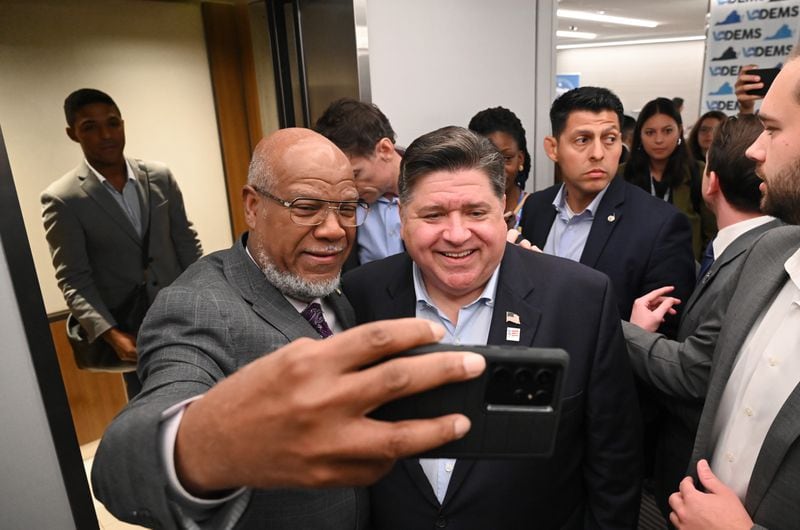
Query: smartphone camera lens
544	376
522	396
523	376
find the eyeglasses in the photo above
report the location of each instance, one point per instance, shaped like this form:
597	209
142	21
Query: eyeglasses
305	211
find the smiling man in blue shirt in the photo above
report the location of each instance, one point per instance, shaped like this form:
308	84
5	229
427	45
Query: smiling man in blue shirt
459	271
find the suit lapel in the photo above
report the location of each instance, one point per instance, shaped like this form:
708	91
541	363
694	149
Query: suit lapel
543	218
782	435
729	255
266	301
510	304
608	215
417	475
96	190
143	189
344	311
734	250
513	303
765	275
402	300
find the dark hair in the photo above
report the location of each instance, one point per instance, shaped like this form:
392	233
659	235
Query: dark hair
82	97
354	126
500	119
726	157
628	125
680	164
593	99
677	102
450	149
694	144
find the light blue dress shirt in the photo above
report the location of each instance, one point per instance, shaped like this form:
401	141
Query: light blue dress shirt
379	236
570	231
128	200
474	321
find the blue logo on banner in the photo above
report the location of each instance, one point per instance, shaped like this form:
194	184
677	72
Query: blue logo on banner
773	13
725	90
716	71
783	33
767	51
722	105
737	34
727	55
732	18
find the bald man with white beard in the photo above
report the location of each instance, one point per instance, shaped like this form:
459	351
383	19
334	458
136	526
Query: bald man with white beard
235	429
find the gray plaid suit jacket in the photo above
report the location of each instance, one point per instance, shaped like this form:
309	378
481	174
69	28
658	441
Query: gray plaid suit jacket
218	316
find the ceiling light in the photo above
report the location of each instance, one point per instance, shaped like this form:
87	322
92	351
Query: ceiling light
576	34
630	42
595	17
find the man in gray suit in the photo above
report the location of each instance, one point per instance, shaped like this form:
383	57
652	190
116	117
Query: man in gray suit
221	429
730	190
749	427
96	218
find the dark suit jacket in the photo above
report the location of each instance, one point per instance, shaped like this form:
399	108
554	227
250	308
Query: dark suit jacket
95	249
592	480
218	316
773	496
682	399
640	242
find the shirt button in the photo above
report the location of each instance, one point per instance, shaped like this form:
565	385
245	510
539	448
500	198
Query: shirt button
748	411
448	467
773	361
456	341
729	457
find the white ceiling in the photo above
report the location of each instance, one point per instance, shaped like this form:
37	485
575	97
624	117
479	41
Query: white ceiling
676	18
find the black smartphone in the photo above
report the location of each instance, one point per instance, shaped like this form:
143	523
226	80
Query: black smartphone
514	405
767	76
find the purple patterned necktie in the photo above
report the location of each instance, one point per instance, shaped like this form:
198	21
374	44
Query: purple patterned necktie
313	313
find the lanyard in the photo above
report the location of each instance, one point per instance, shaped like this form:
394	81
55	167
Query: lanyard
653	190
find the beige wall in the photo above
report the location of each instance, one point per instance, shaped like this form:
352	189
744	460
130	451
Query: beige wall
151	58
640	73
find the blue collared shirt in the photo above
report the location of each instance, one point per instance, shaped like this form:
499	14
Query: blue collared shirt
570	231
379	236
128	200
474	321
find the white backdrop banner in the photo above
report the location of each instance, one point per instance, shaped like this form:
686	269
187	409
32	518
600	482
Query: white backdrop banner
743	32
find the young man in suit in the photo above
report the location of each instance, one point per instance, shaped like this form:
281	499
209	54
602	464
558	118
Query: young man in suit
460	272
233	430
96	219
746	454
640	242
730	190
365	135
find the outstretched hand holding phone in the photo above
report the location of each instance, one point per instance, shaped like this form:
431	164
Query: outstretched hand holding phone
751	85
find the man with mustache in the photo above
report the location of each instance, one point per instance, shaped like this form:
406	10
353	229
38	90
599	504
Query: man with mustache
234	430
599	220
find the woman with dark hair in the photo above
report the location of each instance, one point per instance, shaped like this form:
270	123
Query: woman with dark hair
703	132
505	131
661	164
